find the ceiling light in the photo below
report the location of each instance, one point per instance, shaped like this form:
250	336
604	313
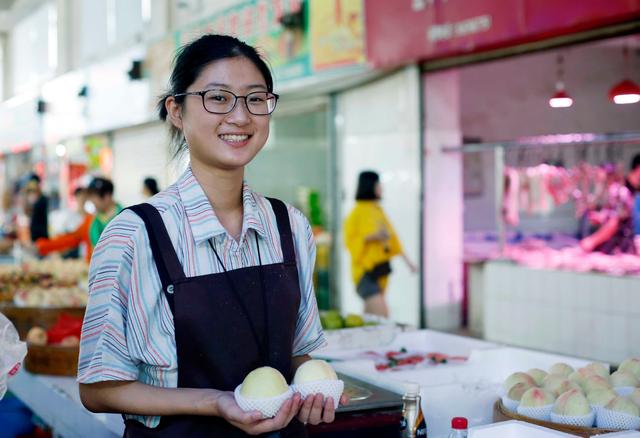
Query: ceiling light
560	98
626	91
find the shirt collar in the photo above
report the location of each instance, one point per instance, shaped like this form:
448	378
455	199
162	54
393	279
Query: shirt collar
201	217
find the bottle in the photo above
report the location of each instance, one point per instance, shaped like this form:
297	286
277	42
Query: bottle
458	427
412	424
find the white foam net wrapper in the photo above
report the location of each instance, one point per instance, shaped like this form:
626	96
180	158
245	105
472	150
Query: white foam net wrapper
574	420
539	412
269	407
609	419
509	404
328	388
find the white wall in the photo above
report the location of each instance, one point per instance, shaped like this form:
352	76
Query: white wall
507	99
378	128
137	153
443	225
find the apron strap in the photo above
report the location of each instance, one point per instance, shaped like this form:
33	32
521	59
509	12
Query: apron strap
167	263
284	228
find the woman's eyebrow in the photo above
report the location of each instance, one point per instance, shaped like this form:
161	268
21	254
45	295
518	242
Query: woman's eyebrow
227	86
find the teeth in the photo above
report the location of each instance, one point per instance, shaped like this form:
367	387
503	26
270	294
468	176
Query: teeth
234	137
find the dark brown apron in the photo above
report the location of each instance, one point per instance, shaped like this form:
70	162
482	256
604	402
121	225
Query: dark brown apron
226	325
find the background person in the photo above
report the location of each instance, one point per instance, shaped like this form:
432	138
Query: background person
372	242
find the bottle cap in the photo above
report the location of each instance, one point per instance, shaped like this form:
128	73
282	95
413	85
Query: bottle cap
412	388
459	423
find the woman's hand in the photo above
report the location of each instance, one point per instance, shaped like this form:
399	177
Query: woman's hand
316	410
252	422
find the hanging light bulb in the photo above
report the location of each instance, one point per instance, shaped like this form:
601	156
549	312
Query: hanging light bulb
560	98
626	91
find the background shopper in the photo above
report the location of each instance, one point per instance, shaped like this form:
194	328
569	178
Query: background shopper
372	243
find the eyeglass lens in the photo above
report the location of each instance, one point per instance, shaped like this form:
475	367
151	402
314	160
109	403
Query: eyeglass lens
222	102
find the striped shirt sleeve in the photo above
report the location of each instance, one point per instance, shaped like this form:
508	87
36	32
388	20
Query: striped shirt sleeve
104	354
308	335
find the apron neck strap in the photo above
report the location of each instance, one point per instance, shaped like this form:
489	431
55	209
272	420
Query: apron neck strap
167	263
284	228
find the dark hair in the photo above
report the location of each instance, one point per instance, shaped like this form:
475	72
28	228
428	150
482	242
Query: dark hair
151	184
101	187
367	181
635	162
189	62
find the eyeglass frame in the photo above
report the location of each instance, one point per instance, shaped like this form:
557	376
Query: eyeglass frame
236	97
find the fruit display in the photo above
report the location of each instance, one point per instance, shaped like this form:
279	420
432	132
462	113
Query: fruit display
43	274
65	332
332	320
586	397
51	297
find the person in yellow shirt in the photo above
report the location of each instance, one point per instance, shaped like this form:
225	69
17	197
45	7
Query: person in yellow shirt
372	242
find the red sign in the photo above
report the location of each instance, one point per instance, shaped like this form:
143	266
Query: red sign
403	31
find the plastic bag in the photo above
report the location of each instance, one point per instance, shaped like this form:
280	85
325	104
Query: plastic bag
12	352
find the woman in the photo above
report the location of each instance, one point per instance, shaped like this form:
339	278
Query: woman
209	281
372	242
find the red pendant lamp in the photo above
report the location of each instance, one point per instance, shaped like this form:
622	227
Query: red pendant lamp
560	98
627	91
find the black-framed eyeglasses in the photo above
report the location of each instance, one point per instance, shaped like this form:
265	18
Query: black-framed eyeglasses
217	101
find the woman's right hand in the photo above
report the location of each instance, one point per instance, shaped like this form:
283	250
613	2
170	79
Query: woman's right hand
252	422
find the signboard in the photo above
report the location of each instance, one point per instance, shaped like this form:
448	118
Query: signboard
257	22
337	33
403	31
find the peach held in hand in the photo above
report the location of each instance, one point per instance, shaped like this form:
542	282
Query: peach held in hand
318	377
264	390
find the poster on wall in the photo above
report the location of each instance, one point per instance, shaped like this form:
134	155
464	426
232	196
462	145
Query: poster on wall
100	155
260	24
337	33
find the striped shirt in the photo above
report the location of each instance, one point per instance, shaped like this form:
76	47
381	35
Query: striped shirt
128	331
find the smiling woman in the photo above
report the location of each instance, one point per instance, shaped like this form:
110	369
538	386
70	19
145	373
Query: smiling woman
209	280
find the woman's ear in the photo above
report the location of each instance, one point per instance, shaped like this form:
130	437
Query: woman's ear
174	111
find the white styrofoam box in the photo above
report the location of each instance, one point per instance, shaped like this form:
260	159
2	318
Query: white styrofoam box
625	434
515	429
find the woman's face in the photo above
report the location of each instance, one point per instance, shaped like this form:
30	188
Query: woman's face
224	141
377	190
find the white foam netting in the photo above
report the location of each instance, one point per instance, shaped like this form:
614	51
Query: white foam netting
328	388
539	412
269	407
574	420
609	419
509	404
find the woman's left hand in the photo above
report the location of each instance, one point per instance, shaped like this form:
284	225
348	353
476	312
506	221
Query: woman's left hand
316	409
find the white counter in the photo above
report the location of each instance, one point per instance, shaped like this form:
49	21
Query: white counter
467	389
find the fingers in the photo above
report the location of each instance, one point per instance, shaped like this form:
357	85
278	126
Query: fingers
329	413
311	411
281	420
344	399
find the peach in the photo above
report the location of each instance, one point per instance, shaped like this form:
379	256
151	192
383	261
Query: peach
37	336
517	378
537	375
517	391
536	397
561	368
593	383
572	403
623	378
601	397
623	405
632	365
